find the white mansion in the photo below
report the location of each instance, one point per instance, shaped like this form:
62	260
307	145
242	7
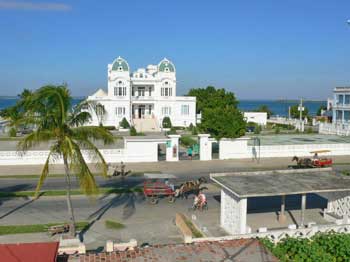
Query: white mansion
143	97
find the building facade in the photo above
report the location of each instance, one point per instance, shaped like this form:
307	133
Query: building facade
339	105
143	97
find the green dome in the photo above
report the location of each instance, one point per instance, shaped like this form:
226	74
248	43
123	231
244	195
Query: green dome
120	65
166	66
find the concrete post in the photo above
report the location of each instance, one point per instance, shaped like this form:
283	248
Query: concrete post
303	207
204	147
233	217
172	148
282	216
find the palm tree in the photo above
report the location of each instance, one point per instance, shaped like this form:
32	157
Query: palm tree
50	111
15	114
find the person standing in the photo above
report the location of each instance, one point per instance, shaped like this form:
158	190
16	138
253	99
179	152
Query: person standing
189	153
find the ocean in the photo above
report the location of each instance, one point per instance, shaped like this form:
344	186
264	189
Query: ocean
278	107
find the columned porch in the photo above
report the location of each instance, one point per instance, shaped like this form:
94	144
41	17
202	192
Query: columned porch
143	111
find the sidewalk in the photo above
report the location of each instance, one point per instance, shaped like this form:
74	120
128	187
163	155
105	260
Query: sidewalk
180	167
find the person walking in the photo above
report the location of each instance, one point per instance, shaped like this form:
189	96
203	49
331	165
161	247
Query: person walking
189	153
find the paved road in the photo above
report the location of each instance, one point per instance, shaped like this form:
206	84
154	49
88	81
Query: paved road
144	222
11	184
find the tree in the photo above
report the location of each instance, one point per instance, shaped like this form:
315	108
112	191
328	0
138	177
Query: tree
266	109
124	123
295	113
55	121
320	109
166	123
15	114
212	98
220	115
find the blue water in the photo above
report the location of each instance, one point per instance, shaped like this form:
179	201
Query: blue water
280	108
277	107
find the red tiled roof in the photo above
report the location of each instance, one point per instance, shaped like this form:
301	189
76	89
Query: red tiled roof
244	250
29	252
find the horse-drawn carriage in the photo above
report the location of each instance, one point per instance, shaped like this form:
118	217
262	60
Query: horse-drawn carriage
157	186
315	161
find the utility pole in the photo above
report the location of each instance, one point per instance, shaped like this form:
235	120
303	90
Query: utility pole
301	109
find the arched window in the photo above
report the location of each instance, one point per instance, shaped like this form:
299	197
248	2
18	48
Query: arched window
120	89
166	90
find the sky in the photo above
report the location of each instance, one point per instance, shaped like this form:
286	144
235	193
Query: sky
257	49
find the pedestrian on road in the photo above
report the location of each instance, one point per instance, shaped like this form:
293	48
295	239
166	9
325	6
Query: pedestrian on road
189	153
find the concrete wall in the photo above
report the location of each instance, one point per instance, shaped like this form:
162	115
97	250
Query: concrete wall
239	148
134	151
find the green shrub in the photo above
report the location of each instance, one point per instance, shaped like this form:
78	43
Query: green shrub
109	127
166	123
309	130
194	131
257	130
187	141
284	126
321	247
124	123
13	132
133	131
172	131
277	130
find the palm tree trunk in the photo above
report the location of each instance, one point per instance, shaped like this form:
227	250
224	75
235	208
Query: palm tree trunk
69	200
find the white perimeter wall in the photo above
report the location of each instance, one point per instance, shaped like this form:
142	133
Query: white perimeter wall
238	148
134	151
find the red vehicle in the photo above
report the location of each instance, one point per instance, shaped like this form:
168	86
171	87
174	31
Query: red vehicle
321	161
315	161
157	186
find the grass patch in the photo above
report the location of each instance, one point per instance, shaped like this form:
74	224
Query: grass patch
11	138
111	224
195	232
73	192
345	172
31	176
35	228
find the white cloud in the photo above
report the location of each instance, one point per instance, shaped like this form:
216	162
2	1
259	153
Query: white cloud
44	6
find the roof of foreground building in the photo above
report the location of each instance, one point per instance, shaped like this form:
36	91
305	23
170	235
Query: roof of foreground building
29	252
245	250
282	182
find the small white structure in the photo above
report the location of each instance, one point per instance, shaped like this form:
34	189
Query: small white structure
237	187
143	97
259	118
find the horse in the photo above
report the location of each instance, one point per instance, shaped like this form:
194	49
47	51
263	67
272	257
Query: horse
190	186
303	162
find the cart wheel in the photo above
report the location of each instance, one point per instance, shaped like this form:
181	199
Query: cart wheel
171	199
153	200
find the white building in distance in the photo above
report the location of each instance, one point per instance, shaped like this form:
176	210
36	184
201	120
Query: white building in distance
340	107
144	97
259	118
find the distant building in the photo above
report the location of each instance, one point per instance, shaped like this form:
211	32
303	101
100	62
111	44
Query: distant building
339	107
259	118
144	97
